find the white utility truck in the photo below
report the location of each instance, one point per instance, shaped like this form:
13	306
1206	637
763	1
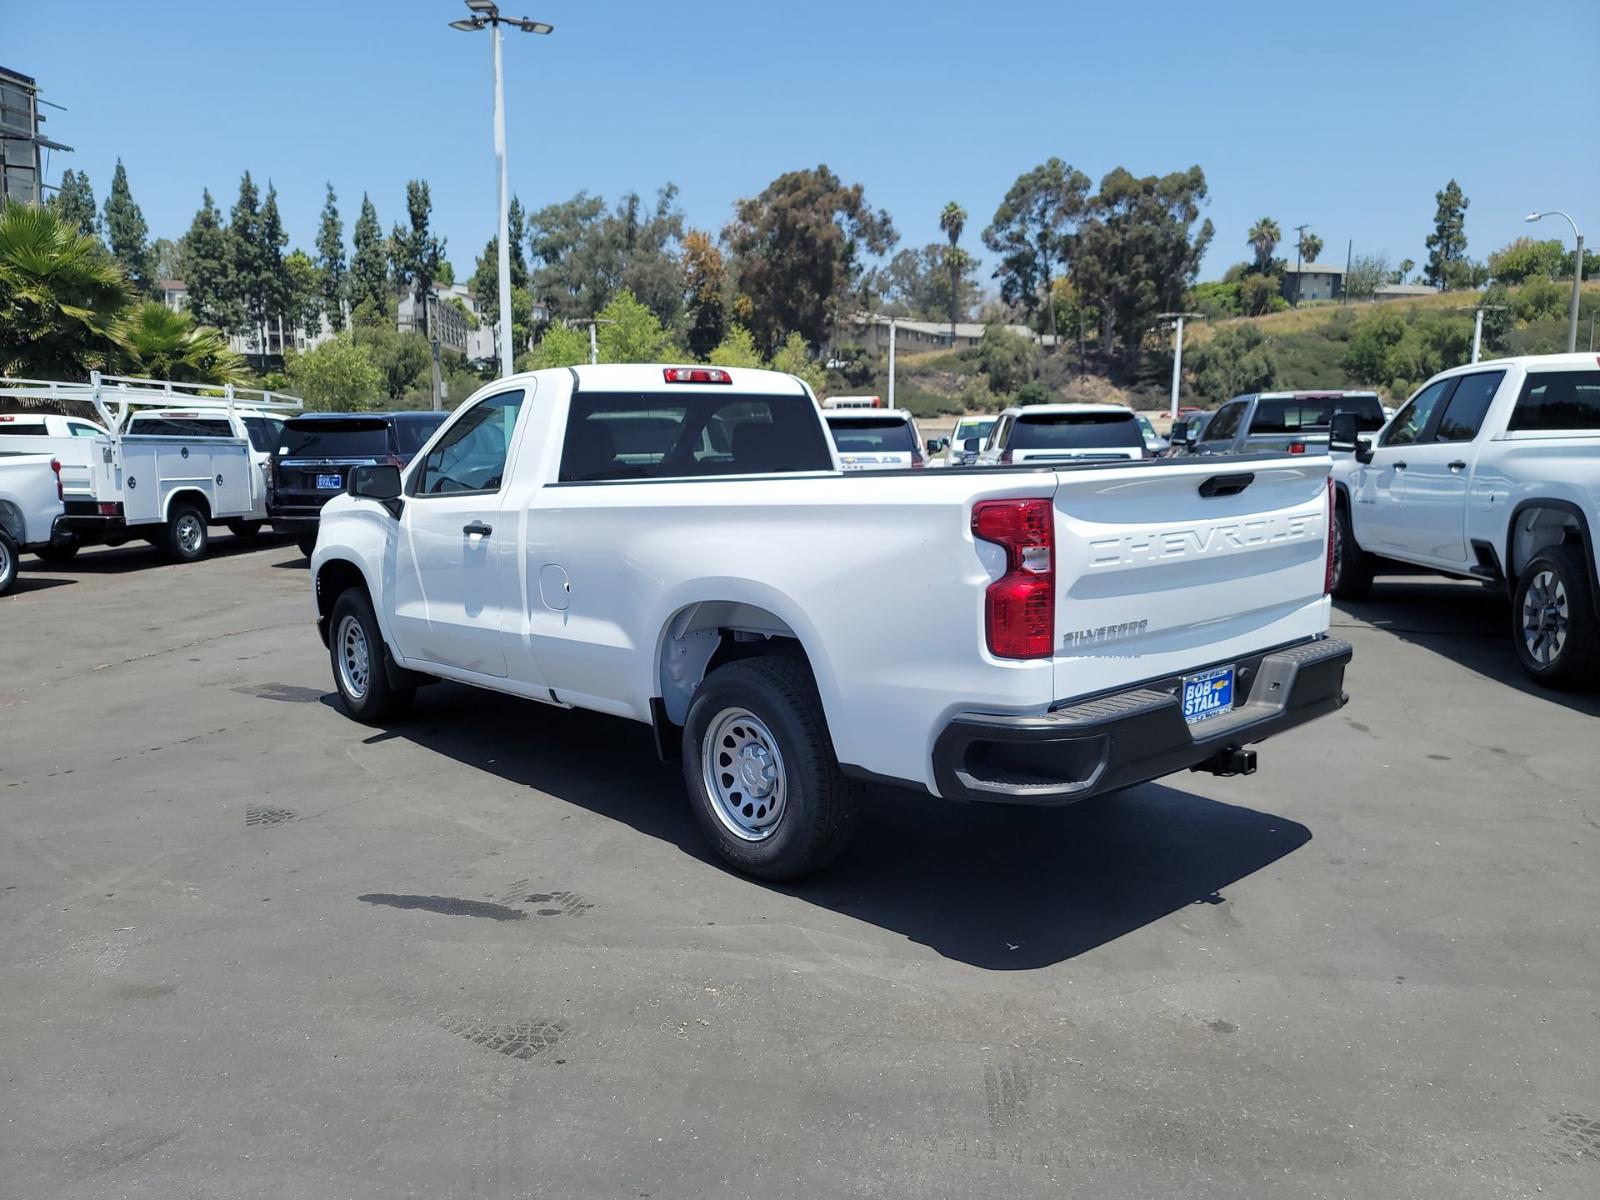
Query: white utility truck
30	503
678	546
177	459
1491	472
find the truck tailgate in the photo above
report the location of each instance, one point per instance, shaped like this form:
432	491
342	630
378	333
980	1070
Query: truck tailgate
1164	569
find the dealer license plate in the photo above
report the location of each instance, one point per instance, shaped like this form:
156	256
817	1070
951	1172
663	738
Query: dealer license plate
328	482
1207	695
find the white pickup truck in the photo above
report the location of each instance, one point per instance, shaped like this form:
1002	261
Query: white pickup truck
1491	472
30	503
178	459
678	546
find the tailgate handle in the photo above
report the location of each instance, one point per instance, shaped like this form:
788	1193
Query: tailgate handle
1227	485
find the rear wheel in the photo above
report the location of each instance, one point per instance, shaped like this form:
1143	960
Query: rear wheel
58	553
361	662
1553	619
1353	567
759	766
306	543
8	562
245	529
187	535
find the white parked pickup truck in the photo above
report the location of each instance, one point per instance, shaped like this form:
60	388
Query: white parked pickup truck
1490	472
678	546
30	503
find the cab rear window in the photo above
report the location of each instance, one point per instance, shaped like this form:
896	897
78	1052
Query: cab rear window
1304	414
612	435
884	435
1556	400
179	427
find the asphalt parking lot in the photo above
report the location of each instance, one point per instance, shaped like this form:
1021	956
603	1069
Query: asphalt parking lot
251	949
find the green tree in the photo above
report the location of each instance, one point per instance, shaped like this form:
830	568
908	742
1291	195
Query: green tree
1367	272
1257	294
631	333
162	344
1448	241
1007	359
369	267
74	203
416	254
60	297
561	346
402	357
278	288
249	274
1406	267
1139	250
128	234
1310	246
737	349
1374	335
584	254
1526	259
705	281
794	358
485	283
1236	360
1263	239
164	259
330	261
304	294
1032	233
338	375
205	264
953	221
797	253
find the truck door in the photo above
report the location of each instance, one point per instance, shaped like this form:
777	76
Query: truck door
1382	518
455	555
1438	469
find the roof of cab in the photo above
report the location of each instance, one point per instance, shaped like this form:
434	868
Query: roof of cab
628	377
1051	410
868	414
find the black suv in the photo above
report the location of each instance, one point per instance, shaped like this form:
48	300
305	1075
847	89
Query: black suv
315	452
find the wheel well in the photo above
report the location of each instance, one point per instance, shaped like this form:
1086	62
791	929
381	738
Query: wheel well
335	576
198	499
11	521
702	637
1536	527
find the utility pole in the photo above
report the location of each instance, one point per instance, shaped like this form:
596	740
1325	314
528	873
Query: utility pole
1177	353
1349	261
891	362
1299	245
1577	274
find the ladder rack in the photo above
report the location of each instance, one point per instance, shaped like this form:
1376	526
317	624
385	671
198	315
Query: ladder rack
127	392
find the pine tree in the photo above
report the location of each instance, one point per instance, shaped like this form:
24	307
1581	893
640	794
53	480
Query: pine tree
128	234
278	287
205	262
1448	241
74	203
330	259
247	271
486	277
416	253
369	267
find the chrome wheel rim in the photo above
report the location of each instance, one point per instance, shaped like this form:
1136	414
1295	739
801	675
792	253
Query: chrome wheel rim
355	661
190	533
5	562
1544	617
744	774
1338	550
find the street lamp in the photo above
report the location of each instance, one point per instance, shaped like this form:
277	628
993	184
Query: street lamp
1577	273
1178	319
486	15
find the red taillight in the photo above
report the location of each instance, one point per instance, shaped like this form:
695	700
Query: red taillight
1005	456
61	492
110	508
696	375
1327	572
1297	447
1020	608
917	461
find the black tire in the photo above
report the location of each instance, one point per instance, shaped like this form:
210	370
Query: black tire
1553	622
379	700
306	543
1353	567
186	537
245	529
58	553
819	805
8	562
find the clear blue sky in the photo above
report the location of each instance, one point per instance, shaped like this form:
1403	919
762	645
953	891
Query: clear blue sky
1349	116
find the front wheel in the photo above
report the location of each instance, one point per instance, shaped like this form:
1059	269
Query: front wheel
187	535
1353	567
360	662
760	770
8	562
1553	619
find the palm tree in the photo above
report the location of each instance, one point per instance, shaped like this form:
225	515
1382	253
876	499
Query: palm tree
1264	238
60	297
1406	267
953	220
164	344
1310	247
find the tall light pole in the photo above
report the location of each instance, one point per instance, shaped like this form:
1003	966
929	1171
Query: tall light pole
1299	245
486	15
1177	352
1577	274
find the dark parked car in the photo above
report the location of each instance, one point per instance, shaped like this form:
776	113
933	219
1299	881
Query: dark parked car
316	451
1284	422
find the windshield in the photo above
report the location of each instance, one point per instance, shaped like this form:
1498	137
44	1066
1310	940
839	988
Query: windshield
1077	431
972	429
1294	414
353	437
874	435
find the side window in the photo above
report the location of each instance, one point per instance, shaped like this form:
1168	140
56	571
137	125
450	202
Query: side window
997	437
1469	403
1554	400
77	430
1225	424
1411	422
471	457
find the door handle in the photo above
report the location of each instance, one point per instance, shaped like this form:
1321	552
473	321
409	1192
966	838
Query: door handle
1399	466
1458	465
477	528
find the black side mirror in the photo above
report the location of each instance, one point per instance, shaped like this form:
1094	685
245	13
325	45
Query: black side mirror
1343	431
380	482
972	445
936	444
1363	450
1180	433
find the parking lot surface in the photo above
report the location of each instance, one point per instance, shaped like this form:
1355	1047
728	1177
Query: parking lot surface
251	949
